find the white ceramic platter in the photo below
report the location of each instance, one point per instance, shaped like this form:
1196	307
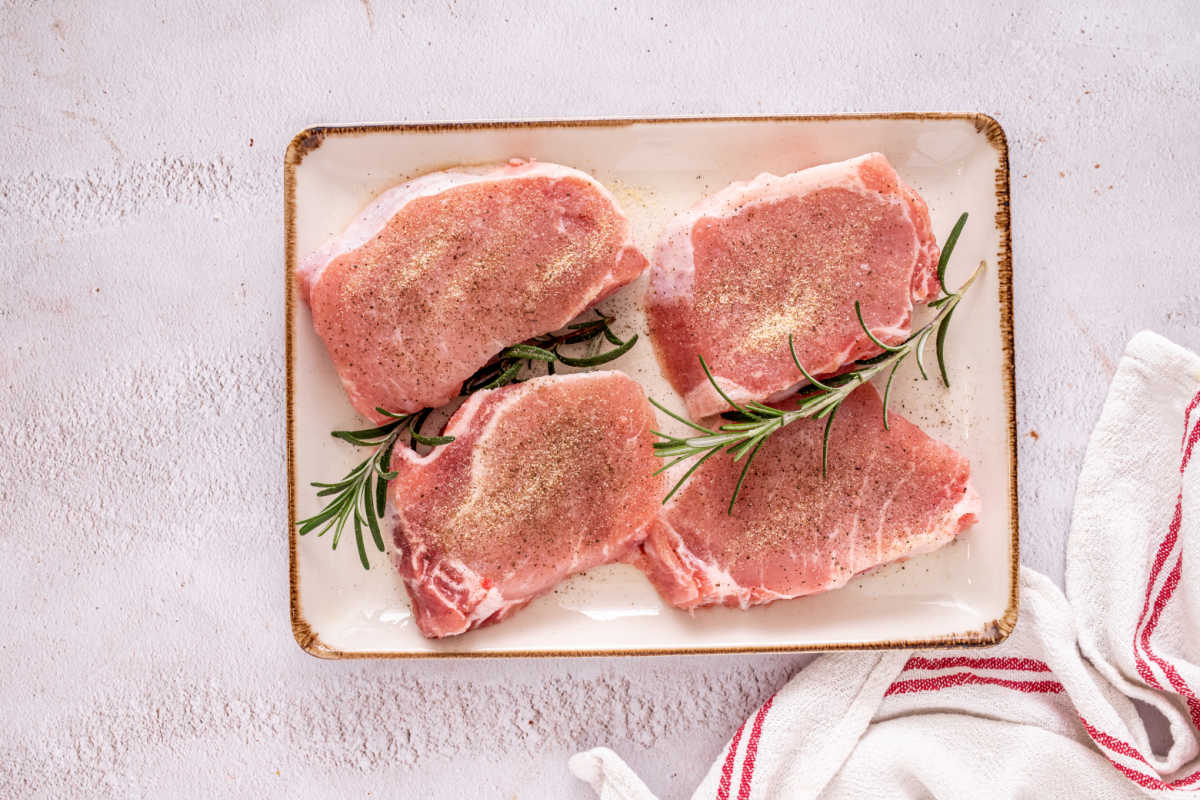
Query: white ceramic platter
962	594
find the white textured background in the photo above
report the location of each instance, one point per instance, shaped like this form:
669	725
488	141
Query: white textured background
145	648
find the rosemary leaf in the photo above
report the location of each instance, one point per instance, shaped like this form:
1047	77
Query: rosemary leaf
737	489
803	371
721	391
432	441
751	444
528	352
314	522
359	470
358	540
365	438
691	469
920	351
672	451
372	518
340	523
940	347
670	464
349	479
717	440
383	464
825	442
887	394
588	334
764	409
602	358
948	248
414	431
887	348
673	415
507	376
741	426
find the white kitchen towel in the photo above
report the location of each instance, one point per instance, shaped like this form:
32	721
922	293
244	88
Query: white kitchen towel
1049	712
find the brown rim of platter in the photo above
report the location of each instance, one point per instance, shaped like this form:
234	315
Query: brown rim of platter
992	633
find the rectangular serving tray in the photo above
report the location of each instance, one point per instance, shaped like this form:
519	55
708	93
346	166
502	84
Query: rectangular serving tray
964	594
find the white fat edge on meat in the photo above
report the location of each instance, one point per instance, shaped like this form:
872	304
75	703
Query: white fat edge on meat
447	576
949	526
459	424
971	503
704	396
883	509
491	601
767	187
936	534
719	578
858	503
940	533
376	215
485	601
441	575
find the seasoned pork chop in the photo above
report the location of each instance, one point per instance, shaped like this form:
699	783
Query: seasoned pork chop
439	274
887	495
544	479
757	261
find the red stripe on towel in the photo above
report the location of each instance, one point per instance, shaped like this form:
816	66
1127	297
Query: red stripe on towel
752	749
1013	663
1176	680
727	767
1165	548
969	678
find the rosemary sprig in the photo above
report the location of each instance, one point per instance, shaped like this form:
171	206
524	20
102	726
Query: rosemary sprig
359	498
504	368
749	424
361	495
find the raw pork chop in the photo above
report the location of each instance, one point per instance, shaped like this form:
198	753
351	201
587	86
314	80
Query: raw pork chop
888	495
441	273
757	261
545	479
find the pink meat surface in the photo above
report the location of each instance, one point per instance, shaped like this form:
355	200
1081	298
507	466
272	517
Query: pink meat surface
760	260
544	479
439	274
888	495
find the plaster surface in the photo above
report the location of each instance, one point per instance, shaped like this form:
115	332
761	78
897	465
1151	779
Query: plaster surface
146	649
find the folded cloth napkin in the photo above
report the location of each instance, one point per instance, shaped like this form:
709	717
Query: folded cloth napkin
1049	712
